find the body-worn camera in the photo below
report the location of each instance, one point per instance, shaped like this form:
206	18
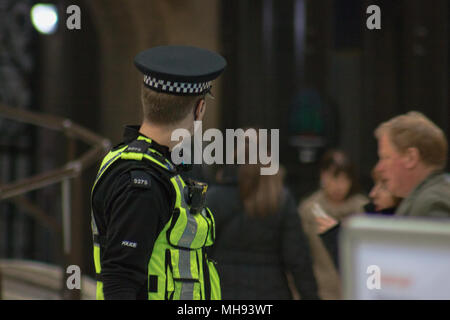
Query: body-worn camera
195	195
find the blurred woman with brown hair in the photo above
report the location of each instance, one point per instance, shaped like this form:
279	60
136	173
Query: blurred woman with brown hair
259	239
382	202
336	199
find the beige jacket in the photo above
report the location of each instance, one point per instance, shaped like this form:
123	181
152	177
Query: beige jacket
325	272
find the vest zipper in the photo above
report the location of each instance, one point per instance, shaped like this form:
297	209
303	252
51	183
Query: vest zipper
198	268
168	265
206	276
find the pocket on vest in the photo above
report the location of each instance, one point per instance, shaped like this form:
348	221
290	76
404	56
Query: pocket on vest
183	275
187	230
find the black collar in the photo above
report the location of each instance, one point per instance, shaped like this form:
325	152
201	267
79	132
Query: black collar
131	133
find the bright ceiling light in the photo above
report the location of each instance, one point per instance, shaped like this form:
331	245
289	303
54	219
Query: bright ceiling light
44	18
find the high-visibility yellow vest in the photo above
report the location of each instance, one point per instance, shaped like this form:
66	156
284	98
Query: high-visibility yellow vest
178	268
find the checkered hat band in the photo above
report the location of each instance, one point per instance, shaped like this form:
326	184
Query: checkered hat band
177	87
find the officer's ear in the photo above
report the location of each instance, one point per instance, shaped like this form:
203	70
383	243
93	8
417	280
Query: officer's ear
199	110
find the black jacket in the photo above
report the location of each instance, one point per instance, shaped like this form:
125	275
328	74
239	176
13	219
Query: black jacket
127	212
330	237
254	254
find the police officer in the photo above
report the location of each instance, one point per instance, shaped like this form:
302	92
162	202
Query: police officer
150	227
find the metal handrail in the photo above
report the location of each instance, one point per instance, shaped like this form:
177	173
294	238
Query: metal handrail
70	170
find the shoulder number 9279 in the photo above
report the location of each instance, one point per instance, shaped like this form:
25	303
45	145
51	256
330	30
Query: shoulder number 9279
140	181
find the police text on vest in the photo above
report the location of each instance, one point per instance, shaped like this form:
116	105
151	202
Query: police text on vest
129	244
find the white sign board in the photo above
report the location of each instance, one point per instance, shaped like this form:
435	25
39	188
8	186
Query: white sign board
395	258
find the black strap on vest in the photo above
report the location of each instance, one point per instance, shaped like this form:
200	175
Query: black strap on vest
142	146
138	146
101	240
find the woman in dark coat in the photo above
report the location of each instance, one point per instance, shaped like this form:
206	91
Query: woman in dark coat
259	238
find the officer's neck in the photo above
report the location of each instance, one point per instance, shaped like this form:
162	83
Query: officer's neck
162	133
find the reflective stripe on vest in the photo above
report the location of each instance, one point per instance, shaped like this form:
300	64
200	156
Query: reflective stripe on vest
178	265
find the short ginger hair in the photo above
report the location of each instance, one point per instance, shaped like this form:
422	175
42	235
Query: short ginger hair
166	109
415	130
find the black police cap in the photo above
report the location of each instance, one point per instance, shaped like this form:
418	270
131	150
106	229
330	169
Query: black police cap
179	70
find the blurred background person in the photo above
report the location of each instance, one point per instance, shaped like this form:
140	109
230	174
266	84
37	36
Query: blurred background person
336	199
382	200
259	239
413	154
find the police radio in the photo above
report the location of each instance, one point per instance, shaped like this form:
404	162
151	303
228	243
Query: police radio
195	195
